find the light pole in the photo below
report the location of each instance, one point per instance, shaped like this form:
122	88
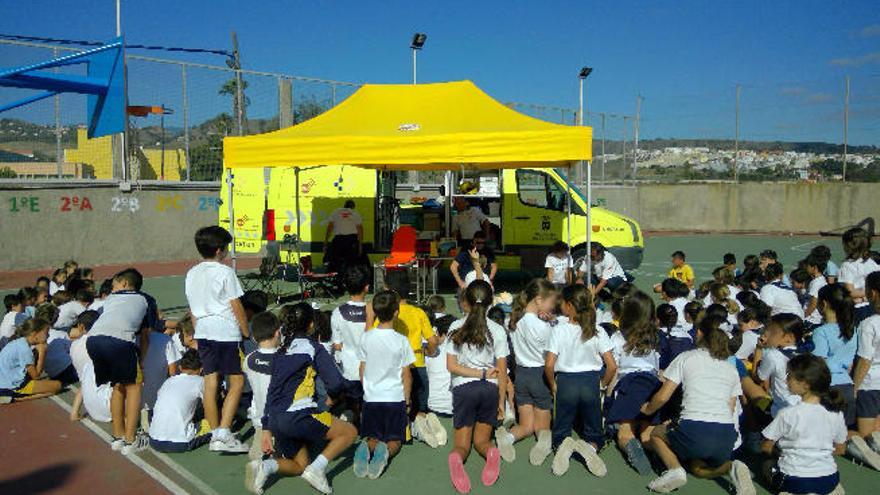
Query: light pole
582	77
418	42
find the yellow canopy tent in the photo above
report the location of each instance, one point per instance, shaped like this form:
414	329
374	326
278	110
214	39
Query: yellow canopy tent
415	127
441	126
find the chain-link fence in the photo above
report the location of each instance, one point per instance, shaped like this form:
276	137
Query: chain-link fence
744	132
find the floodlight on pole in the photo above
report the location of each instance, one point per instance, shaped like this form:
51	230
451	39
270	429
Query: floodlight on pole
582	77
418	42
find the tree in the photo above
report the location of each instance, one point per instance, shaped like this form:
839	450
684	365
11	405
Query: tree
229	88
8	173
307	109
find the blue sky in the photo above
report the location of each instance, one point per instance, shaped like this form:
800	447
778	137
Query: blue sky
684	57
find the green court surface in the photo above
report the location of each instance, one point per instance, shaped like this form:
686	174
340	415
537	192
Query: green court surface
421	469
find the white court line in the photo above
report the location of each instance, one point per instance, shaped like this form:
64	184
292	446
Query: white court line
177	468
137	461
800	247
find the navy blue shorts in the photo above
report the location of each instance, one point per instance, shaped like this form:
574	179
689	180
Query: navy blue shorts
354	389
868	404
631	391
530	388
295	430
701	440
384	421
68	376
822	485
220	357
420	389
116	361
847	392
475	402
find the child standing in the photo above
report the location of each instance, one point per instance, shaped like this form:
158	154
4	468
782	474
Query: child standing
780	343
807	435
866	376
638	363
385	358
559	265
115	344
19	370
705	436
291	416
835	343
266	331
576	353
857	265
477	361
213	292
347	324
173	428
534	400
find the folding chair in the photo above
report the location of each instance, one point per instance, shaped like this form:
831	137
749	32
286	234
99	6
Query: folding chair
267	278
312	283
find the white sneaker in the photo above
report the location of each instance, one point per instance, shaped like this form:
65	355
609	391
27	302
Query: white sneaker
669	481
5	399
875	441
741	478
318	479
117	444
594	463
509	417
255	477
505	444
140	443
542	449
858	448
425	434
231	444
562	459
436	428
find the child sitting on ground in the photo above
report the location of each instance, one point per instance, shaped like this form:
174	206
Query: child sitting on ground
96	399
291	423
866	377
20	370
58	364
385	359
174	428
814	267
266	332
808	434
779	344
14	308
347	327
705	436
680	271
674	339
437	305
104	291
159	363
559	265
778	295
68	311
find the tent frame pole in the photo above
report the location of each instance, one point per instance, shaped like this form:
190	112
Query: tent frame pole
231	209
589	273
568	208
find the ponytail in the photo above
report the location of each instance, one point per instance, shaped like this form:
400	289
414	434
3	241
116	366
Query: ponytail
837	297
296	321
713	338
537	287
721	295
581	300
475	330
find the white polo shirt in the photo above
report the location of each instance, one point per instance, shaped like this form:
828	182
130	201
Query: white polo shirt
468	222
96	399
67	314
806	434
122	317
773	367
781	299
345	221
478	358
210	287
175	408
606	269
813	290
559	267
530	340
708	385
853	272
869	348
575	355
630	363
347	325
384	353
439	381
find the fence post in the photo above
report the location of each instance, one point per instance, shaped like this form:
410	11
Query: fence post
185	123
59	158
285	103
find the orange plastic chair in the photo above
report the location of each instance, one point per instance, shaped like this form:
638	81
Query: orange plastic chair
403	248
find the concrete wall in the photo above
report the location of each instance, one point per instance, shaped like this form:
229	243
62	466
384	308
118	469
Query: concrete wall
41	228
747	207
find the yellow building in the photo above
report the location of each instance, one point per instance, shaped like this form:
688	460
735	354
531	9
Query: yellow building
96	156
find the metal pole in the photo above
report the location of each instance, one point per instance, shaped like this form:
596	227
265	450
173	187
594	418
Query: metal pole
623	154
229	199
589	226
568	207
580	122
162	134
414	65
736	141
185	123
59	158
118	18
845	125
636	124
333	91
603	147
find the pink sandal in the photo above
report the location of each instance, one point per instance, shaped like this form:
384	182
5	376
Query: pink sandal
492	468
460	479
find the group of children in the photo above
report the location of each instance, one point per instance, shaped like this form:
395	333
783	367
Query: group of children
754	362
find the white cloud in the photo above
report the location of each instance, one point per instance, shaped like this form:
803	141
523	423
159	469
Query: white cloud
868	58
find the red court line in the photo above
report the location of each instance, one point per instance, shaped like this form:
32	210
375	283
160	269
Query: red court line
24	278
44	452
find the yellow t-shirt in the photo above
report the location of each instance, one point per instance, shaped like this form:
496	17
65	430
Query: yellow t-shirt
413	324
683	273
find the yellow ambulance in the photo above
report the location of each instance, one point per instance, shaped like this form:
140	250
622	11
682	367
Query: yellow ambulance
527	207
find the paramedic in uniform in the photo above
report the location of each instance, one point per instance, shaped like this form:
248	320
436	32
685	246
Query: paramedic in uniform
346	248
467	222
